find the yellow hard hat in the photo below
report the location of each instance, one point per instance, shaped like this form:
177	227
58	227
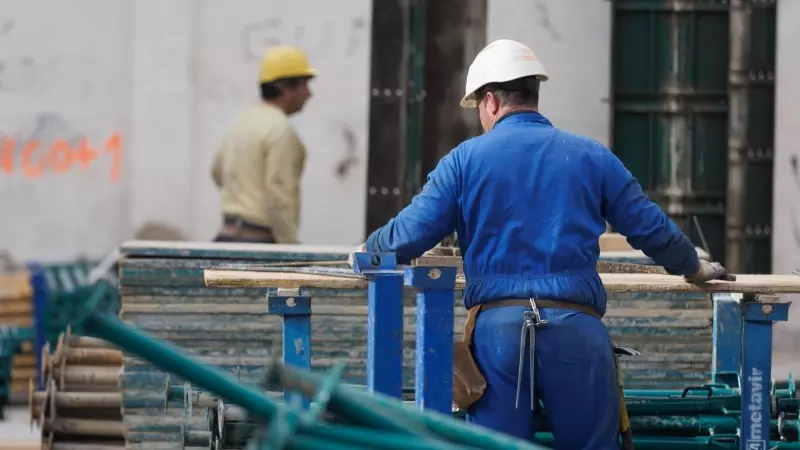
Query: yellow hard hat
284	61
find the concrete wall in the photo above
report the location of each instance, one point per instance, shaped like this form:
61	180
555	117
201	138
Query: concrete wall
786	182
786	192
169	77
151	87
572	38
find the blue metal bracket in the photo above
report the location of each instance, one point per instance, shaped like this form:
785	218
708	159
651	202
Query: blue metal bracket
294	307
760	312
41	293
375	263
726	340
434	354
384	322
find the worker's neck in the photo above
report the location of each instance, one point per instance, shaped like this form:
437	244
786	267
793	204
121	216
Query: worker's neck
513	109
278	103
505	111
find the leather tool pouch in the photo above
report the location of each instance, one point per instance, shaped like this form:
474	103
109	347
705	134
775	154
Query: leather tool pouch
468	382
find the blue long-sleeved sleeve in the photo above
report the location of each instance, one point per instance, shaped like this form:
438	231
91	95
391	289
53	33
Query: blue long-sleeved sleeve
646	227
431	216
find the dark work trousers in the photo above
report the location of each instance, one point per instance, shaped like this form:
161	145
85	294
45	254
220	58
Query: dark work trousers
575	377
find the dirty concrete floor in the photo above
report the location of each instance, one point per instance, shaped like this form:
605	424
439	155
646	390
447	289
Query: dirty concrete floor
16	429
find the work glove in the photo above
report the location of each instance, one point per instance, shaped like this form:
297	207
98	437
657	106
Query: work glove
351	260
708	271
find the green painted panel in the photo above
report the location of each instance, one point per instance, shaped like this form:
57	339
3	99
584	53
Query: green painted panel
757	245
669	77
670	116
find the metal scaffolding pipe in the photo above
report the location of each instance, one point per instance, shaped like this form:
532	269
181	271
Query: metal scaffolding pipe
74	400
87	376
738	90
85	446
85	427
77	341
391	423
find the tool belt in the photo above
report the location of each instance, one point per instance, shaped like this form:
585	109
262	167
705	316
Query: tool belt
469	384
237	227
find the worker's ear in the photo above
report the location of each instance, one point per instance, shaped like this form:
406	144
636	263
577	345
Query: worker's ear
492	103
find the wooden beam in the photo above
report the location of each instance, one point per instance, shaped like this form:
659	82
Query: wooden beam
613	282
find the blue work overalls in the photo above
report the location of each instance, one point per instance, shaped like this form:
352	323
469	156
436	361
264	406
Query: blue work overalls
529	203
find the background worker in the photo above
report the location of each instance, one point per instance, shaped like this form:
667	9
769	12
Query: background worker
529	203
259	166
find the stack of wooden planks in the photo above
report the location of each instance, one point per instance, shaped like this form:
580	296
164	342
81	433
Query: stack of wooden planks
173	291
16	310
613	282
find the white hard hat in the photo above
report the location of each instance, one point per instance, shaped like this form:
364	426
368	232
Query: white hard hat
502	60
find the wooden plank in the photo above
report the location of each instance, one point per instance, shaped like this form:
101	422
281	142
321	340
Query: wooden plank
613	282
606	259
20	445
15	286
228	250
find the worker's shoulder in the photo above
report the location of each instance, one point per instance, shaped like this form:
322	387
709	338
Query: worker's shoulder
578	142
265	117
536	136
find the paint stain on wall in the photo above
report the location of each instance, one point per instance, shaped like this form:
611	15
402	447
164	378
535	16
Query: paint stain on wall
315	38
794	164
48	145
349	159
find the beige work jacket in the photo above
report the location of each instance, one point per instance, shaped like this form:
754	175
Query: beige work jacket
258	170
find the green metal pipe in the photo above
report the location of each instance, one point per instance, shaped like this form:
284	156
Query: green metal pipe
652	406
168	358
376	411
700	425
312	443
721	442
347	400
237	434
682	406
699	392
383	440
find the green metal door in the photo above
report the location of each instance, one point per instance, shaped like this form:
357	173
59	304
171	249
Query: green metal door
756	255
670	97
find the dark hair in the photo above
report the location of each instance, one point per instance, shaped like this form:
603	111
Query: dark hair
272	90
519	92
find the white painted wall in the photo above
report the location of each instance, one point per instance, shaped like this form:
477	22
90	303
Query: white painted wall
170	77
786	183
572	38
64	74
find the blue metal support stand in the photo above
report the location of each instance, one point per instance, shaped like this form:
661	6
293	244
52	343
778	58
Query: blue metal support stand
384	321
760	312
41	293
434	354
726	340
294	307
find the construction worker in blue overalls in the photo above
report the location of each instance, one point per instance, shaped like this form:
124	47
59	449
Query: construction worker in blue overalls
529	203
